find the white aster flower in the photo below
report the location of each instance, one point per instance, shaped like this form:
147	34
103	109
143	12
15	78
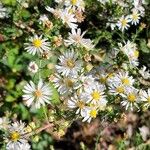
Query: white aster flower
112	25
135	17
130	49
33	67
59	1
69	19
25	146
56	12
122	3
145	74
138	6
65	85
4	122
145	132
139	2
89	113
123	23
96	95
69	65
36	96
133	58
3	11
79	4
77	103
103	1
102	73
37	45
145	97
121	78
87	81
22	146
127	47
16	136
43	19
23	3
118	2
102	77
130	98
117	89
75	37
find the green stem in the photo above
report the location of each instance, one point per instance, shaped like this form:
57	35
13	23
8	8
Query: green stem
97	139
135	36
45	114
40	62
122	36
44	108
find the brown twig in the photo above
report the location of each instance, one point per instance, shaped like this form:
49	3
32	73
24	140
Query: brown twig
37	131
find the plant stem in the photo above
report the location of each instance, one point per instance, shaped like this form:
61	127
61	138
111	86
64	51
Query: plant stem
37	131
135	36
46	116
40	62
97	140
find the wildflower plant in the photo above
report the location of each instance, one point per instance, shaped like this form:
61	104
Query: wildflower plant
67	60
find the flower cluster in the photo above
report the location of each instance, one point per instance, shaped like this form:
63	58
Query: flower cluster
81	91
71	14
16	135
122	84
87	92
125	21
131	51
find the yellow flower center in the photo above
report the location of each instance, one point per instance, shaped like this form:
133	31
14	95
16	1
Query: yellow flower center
103	80
77	38
110	75
124	22
38	93
15	136
37	43
125	81
74	2
136	54
71	11
135	16
80	104
68	82
93	113
148	99
70	63
131	97
120	89
96	95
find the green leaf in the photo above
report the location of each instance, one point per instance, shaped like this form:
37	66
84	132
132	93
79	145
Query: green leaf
24	112
11	60
25	14
10	84
9	2
45	73
55	96
144	47
10	98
